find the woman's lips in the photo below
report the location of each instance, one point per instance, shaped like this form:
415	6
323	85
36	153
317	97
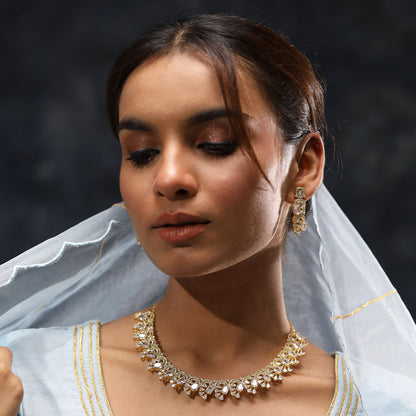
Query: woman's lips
180	234
179	227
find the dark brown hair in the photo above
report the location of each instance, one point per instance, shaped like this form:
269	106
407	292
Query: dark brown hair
284	75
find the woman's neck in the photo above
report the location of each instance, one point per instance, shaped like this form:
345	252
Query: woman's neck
235	315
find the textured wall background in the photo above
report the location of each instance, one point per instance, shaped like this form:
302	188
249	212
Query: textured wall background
58	161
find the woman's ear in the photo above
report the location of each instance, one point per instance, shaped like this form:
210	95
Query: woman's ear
307	167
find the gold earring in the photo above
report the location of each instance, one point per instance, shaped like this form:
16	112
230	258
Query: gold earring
299	208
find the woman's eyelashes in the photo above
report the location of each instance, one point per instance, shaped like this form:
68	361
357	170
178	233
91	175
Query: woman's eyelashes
141	158
217	149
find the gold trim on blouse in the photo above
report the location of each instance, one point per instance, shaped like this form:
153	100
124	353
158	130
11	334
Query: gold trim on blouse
100	372
87	369
346	387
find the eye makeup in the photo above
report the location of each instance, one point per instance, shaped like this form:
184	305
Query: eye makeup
141	158
212	138
218	149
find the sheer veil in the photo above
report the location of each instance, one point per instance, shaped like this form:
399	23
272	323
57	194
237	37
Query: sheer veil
336	293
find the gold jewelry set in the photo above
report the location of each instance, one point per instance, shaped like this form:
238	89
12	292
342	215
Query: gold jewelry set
148	347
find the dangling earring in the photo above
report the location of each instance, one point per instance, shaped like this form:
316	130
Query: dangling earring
138	244
299	208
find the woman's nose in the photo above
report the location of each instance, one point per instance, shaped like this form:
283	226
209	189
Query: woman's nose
175	178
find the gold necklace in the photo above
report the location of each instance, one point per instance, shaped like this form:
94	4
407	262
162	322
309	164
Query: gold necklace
148	347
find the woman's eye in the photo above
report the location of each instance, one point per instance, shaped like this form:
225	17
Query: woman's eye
219	149
140	158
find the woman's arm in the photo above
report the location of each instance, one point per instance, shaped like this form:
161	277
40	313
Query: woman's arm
11	388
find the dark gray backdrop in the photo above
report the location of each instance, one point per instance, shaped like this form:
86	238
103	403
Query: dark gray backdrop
59	161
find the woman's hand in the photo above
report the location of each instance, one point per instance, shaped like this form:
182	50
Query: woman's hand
11	388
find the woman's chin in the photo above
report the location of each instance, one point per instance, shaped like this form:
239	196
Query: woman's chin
187	267
185	270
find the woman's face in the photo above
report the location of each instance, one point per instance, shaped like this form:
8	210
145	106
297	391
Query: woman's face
196	202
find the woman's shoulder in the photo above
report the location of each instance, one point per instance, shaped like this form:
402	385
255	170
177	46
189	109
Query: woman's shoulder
363	388
39	342
59	368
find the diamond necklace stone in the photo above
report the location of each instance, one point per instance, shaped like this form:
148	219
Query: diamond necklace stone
157	363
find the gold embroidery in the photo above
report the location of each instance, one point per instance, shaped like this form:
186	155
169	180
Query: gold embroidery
365	305
336	386
92	370
119	205
41	307
351	388
356	405
345	387
100	253
76	370
100	371
81	360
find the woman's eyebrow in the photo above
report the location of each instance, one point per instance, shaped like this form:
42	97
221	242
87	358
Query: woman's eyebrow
212	114
132	123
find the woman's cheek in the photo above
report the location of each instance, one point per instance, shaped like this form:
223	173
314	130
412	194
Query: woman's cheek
237	187
131	193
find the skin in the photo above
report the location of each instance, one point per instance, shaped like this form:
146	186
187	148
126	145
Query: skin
11	389
223	314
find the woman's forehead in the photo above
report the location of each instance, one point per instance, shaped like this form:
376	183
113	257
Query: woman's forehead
188	76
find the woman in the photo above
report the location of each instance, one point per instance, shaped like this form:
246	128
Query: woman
219	121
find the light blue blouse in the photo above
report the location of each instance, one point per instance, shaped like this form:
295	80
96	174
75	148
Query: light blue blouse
61	373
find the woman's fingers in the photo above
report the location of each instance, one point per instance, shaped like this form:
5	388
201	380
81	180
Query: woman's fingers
11	388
